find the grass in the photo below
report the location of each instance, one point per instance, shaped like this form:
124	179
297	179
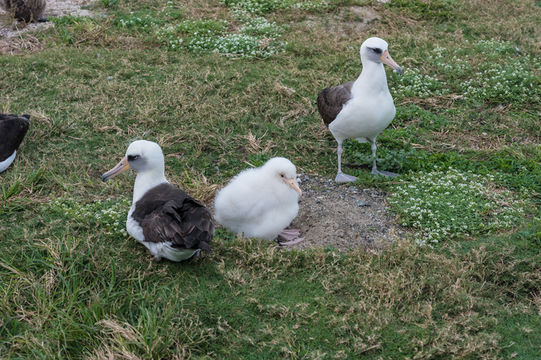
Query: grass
74	285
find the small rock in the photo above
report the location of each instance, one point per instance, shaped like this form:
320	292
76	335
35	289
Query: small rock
362	203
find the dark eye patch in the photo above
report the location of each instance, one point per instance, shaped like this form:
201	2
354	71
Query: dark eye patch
376	50
133	157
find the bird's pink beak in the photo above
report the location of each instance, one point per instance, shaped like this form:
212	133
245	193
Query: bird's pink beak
293	184
122	166
388	60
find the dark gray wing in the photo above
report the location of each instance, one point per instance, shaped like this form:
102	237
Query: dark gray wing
167	213
13	128
331	100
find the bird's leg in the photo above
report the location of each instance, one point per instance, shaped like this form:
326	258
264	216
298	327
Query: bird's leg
375	170
374	147
290	236
340	176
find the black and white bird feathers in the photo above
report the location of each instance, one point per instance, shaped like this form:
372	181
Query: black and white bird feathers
13	128
163	218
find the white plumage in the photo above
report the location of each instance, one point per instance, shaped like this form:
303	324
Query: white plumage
363	108
260	202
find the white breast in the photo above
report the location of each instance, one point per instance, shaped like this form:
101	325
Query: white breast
133	227
364	117
5	164
244	206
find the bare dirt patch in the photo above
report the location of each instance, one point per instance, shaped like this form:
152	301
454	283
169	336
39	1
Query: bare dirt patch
11	32
346	22
343	216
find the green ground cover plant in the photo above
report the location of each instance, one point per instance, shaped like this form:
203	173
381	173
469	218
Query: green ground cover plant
225	84
447	204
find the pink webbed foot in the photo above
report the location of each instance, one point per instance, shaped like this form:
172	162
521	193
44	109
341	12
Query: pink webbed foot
289	237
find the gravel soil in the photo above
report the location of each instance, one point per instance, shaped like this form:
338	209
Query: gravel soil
342	216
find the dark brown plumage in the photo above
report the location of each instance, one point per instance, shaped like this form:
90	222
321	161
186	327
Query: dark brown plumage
13	128
166	213
25	10
331	100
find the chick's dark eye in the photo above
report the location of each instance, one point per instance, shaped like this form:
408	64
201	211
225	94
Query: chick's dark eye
282	175
377	50
133	157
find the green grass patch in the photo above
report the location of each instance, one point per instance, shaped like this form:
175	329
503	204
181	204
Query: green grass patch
483	71
439	10
266	6
224	84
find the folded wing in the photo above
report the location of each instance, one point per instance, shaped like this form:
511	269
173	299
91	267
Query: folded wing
331	100
168	214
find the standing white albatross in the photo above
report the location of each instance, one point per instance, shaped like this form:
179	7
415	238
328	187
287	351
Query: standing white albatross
363	108
13	128
261	202
162	217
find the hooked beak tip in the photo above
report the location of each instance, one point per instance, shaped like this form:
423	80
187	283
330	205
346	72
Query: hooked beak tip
104	178
398	70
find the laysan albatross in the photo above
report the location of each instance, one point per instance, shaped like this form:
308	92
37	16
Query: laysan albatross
165	219
261	202
363	108
13	128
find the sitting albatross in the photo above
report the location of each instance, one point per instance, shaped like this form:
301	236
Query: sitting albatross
363	108
13	128
162	217
261	202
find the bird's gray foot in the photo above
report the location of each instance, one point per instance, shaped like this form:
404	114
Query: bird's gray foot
384	173
157	258
344	178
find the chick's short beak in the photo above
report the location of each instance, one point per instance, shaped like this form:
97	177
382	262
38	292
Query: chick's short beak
294	185
122	166
388	60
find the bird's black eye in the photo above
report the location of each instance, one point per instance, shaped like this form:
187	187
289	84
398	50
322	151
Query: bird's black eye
376	50
282	175
133	157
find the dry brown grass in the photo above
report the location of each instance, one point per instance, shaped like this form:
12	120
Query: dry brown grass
20	45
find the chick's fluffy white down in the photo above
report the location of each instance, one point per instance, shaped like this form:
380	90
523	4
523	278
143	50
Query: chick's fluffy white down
257	204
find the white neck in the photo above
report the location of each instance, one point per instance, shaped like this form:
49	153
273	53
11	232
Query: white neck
372	79
145	181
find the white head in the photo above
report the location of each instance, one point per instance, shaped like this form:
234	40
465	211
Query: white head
377	50
141	156
281	169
